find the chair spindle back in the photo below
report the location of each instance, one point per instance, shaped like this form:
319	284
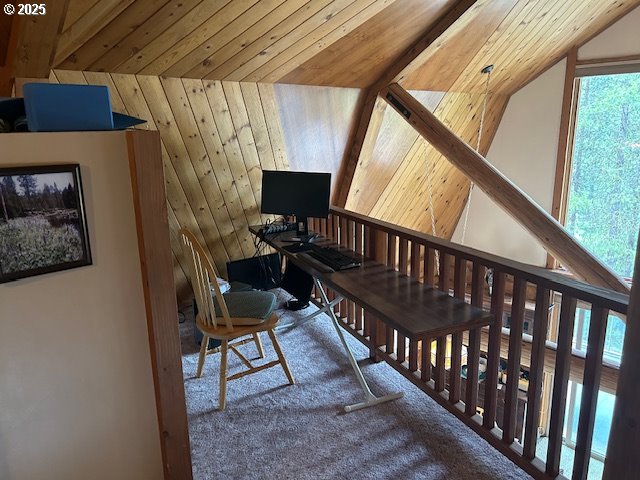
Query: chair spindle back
203	276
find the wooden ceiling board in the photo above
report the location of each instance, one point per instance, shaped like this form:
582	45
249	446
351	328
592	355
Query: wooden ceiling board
220	68
506	52
356	14
395	139
108	37
208	12
360	57
76	9
92	21
209	38
571	34
303	34
446	63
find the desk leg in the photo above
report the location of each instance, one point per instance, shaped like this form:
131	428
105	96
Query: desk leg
369	398
322	308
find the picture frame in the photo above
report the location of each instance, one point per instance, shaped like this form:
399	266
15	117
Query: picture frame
43	225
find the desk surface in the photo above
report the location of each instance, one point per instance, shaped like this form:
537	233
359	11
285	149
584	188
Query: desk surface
414	309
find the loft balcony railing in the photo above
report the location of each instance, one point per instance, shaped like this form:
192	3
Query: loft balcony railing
535	312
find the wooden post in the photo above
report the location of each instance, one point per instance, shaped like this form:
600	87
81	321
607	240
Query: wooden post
147	181
500	189
623	461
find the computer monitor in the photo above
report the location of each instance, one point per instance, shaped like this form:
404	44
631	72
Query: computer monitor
303	194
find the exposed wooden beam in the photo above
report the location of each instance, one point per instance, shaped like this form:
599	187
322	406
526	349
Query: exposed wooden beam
38	40
622	460
406	64
501	190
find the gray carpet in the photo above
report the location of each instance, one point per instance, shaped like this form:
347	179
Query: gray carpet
270	430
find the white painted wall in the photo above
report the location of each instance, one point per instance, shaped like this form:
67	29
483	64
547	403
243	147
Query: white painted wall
525	149
76	388
619	40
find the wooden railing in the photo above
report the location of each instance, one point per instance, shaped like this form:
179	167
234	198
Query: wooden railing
519	292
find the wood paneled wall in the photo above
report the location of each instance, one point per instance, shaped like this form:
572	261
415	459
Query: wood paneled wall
393	184
217	137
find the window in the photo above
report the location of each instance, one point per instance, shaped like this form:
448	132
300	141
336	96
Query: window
603	207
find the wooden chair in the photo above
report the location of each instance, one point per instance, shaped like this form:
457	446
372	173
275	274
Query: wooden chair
229	317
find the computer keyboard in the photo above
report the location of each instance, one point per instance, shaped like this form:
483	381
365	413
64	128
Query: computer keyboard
333	258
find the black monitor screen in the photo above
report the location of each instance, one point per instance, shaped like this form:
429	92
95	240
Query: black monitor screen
296	193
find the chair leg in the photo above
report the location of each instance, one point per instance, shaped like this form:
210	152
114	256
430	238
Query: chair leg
203	353
283	361
223	374
256	338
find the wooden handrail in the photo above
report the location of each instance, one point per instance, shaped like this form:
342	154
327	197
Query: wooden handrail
538	275
500	189
448	374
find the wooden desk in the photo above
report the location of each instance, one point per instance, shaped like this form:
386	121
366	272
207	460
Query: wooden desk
414	309
417	311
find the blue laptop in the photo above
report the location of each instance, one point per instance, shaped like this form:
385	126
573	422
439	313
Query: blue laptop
59	108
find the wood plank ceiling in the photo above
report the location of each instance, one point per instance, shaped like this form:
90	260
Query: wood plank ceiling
316	42
178	64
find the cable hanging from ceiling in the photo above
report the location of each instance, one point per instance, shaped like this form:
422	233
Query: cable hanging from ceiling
485	71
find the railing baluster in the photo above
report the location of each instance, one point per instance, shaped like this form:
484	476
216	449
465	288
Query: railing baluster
513	363
336	228
459	287
473	353
560	383
344	242
493	357
401	347
403	256
429	266
425	360
444	279
392	241
536	372
391	250
378	251
413	355
351	306
415	260
441	350
590	388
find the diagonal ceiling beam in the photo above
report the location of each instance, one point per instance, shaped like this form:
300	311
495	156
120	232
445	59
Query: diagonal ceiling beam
501	190
365	133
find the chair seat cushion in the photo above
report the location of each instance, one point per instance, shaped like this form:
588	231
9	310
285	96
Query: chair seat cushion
253	307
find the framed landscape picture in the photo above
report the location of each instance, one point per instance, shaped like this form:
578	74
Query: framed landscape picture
43	227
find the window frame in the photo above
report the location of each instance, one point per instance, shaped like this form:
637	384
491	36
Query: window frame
575	70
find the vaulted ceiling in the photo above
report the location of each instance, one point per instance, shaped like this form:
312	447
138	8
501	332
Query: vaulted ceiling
178	64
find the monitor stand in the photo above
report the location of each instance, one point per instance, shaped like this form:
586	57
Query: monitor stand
302	233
